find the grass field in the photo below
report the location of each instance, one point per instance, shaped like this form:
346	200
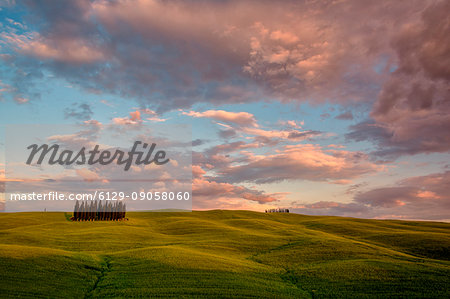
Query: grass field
222	254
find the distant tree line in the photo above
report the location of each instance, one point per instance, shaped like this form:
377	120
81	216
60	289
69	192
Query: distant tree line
277	211
99	210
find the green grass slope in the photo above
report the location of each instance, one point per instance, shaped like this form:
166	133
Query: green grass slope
222	254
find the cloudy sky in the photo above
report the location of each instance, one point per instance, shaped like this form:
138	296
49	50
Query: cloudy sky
323	107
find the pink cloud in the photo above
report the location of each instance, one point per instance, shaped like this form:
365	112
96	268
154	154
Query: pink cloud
238	118
285	37
243	51
21	100
105	102
135	117
245	123
87	175
295	124
303	162
423	197
123	121
280	134
410	115
208	190
332	208
210	193
231	147
77	51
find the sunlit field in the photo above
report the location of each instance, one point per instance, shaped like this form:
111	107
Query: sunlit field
222	254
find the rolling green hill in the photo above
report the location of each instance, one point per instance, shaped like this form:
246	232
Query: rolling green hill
222	254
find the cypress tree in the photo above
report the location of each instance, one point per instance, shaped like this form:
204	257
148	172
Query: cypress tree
82	211
108	211
75	211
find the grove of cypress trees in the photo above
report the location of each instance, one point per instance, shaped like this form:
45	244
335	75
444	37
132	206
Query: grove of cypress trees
98	210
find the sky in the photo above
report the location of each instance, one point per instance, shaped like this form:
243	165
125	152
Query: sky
323	107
